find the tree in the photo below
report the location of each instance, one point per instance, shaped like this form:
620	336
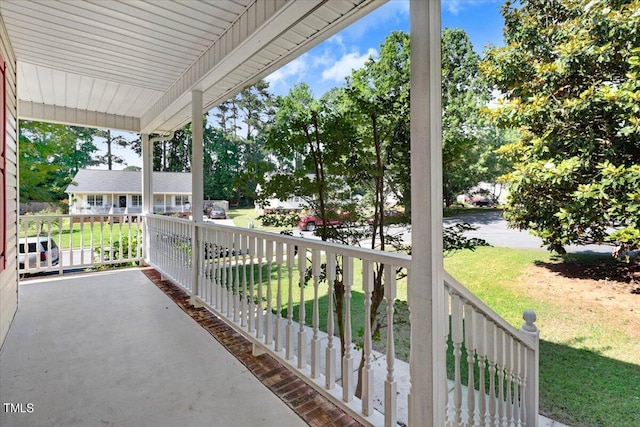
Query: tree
50	155
569	74
110	140
309	140
464	93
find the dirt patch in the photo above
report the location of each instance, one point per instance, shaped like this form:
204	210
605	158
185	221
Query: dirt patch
624	277
593	305
604	282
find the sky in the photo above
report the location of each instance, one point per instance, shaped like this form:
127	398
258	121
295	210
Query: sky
326	65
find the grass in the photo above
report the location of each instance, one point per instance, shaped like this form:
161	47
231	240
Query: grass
71	237
242	217
589	365
583	382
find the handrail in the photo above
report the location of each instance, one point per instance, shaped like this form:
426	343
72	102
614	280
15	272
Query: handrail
464	292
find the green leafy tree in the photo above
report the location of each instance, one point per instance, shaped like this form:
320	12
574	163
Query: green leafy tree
464	93
308	141
570	77
50	156
221	164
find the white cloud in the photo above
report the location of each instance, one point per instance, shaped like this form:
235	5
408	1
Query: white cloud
350	61
296	68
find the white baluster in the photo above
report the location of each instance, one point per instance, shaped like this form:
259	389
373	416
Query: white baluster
447	332
500	361
347	359
252	284
279	261
492	352
518	383
481	349
302	335
259	311
215	248
390	385
228	273
290	332
315	340
243	267
330	356
469	344
367	371
91	242
456	338
509	379
233	253
268	316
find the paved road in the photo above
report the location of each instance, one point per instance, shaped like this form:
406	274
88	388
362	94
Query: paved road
493	228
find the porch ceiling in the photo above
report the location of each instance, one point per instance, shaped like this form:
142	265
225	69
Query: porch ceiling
132	65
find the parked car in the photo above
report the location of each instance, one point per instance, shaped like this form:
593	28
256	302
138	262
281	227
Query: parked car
37	252
482	201
216	212
310	222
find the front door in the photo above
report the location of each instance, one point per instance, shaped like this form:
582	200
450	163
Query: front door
123	201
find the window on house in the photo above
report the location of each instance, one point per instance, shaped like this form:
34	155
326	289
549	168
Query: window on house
94	199
182	200
136	200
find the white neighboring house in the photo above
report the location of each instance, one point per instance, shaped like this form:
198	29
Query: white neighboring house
110	191
294	203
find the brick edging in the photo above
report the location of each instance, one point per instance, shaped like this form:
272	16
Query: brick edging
303	399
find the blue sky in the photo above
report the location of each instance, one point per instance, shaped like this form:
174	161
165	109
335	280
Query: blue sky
327	65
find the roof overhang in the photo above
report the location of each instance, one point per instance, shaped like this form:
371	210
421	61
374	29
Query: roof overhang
133	65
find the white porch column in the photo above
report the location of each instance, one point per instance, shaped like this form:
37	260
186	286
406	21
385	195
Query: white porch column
197	153
427	397
147	192
197	186
147	174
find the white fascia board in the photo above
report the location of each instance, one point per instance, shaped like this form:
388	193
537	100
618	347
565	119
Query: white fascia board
71	116
258	26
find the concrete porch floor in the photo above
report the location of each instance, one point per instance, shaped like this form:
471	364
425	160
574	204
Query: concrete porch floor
111	349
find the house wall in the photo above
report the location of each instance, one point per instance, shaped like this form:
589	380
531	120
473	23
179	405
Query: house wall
81	205
9	276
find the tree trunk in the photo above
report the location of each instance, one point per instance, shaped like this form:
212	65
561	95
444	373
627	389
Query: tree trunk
377	296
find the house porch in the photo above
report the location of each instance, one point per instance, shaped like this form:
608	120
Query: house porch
110	348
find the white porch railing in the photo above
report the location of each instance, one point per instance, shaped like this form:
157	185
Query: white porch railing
501	363
256	281
77	241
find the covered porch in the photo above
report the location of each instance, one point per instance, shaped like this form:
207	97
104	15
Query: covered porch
253	281
111	348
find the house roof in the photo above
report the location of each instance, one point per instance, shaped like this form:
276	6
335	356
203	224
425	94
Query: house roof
133	65
93	181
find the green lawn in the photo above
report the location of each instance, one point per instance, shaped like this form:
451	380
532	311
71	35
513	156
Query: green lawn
589	364
80	234
579	384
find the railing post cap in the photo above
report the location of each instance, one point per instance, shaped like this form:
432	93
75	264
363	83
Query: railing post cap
529	317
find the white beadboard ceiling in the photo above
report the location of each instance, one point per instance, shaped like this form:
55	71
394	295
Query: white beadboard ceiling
132	64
